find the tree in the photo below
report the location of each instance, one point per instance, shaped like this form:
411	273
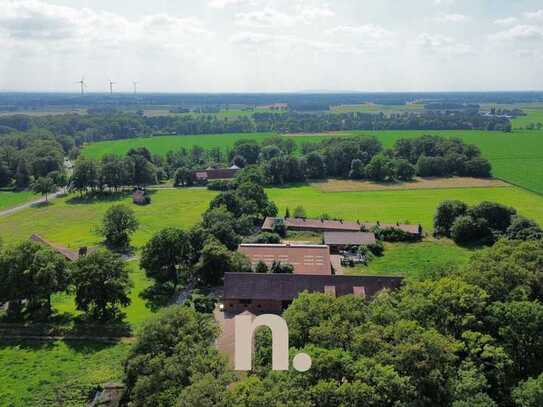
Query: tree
269	152
44	186
29	275
524	229
248	149
467	229
281	268
201	302
215	261
315	167
183	177
431	166
529	393
173	350
403	170
498	217
478	167
446	214
102	284
380	168
5	175
118	224
261	267
287	213
357	169
166	258
22	175
85	175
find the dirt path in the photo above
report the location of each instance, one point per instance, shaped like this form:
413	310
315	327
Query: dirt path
37	202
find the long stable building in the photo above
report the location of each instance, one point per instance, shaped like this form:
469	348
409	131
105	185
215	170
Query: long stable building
323	225
306	259
273	293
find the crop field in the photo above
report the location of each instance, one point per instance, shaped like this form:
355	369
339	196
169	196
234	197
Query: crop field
375	108
10	199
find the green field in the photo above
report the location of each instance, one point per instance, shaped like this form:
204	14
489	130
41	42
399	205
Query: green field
10	199
516	157
415	259
73	223
52	374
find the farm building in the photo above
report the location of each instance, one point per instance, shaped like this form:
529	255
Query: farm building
211	174
306	259
68	254
322	225
342	240
272	293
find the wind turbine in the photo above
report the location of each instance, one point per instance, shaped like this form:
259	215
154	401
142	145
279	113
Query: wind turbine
111	87
83	85
135	87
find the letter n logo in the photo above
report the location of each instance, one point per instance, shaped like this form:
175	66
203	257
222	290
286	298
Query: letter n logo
245	327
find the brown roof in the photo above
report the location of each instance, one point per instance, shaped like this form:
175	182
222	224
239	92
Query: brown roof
316	225
286	287
67	253
212	174
306	259
320	225
349	238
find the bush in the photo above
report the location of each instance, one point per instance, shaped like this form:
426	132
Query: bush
377	249
524	229
467	229
220	185
446	214
403	170
261	267
281	268
498	217
264	238
299	212
394	235
431	166
478	167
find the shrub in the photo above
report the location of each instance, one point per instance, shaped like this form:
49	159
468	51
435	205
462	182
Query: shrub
261	267
467	229
299	212
281	268
446	214
377	248
265	238
220	185
394	235
524	229
403	170
431	166
498	217
478	167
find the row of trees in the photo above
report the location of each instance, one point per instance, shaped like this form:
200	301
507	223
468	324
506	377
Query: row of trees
361	158
454	337
30	274
484	223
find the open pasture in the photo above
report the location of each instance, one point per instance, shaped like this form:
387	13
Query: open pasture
9	199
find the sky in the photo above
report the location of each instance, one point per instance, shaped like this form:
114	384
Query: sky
271	45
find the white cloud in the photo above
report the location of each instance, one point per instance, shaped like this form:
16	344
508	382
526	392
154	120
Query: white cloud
363	36
452	18
270	17
444	2
442	45
519	33
535	15
506	21
222	4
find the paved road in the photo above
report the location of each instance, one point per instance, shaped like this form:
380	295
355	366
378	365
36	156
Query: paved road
40	201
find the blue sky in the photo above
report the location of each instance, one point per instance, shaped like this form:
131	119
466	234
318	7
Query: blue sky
272	45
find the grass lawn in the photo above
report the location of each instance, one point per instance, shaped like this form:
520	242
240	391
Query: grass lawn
414	259
51	374
74	223
9	199
414	206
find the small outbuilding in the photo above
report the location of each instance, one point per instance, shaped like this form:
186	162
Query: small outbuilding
338	241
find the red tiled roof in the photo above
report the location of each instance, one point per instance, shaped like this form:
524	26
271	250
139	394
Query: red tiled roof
286	287
306	259
349	238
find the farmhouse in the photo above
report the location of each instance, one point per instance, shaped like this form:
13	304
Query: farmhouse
211	174
342	240
306	259
272	293
68	254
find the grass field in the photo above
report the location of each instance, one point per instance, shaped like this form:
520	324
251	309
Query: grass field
414	259
74	224
375	108
339	185
52	374
415	206
10	199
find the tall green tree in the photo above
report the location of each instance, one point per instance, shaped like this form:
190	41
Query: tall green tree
118	224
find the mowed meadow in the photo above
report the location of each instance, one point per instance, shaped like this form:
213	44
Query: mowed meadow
74	222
